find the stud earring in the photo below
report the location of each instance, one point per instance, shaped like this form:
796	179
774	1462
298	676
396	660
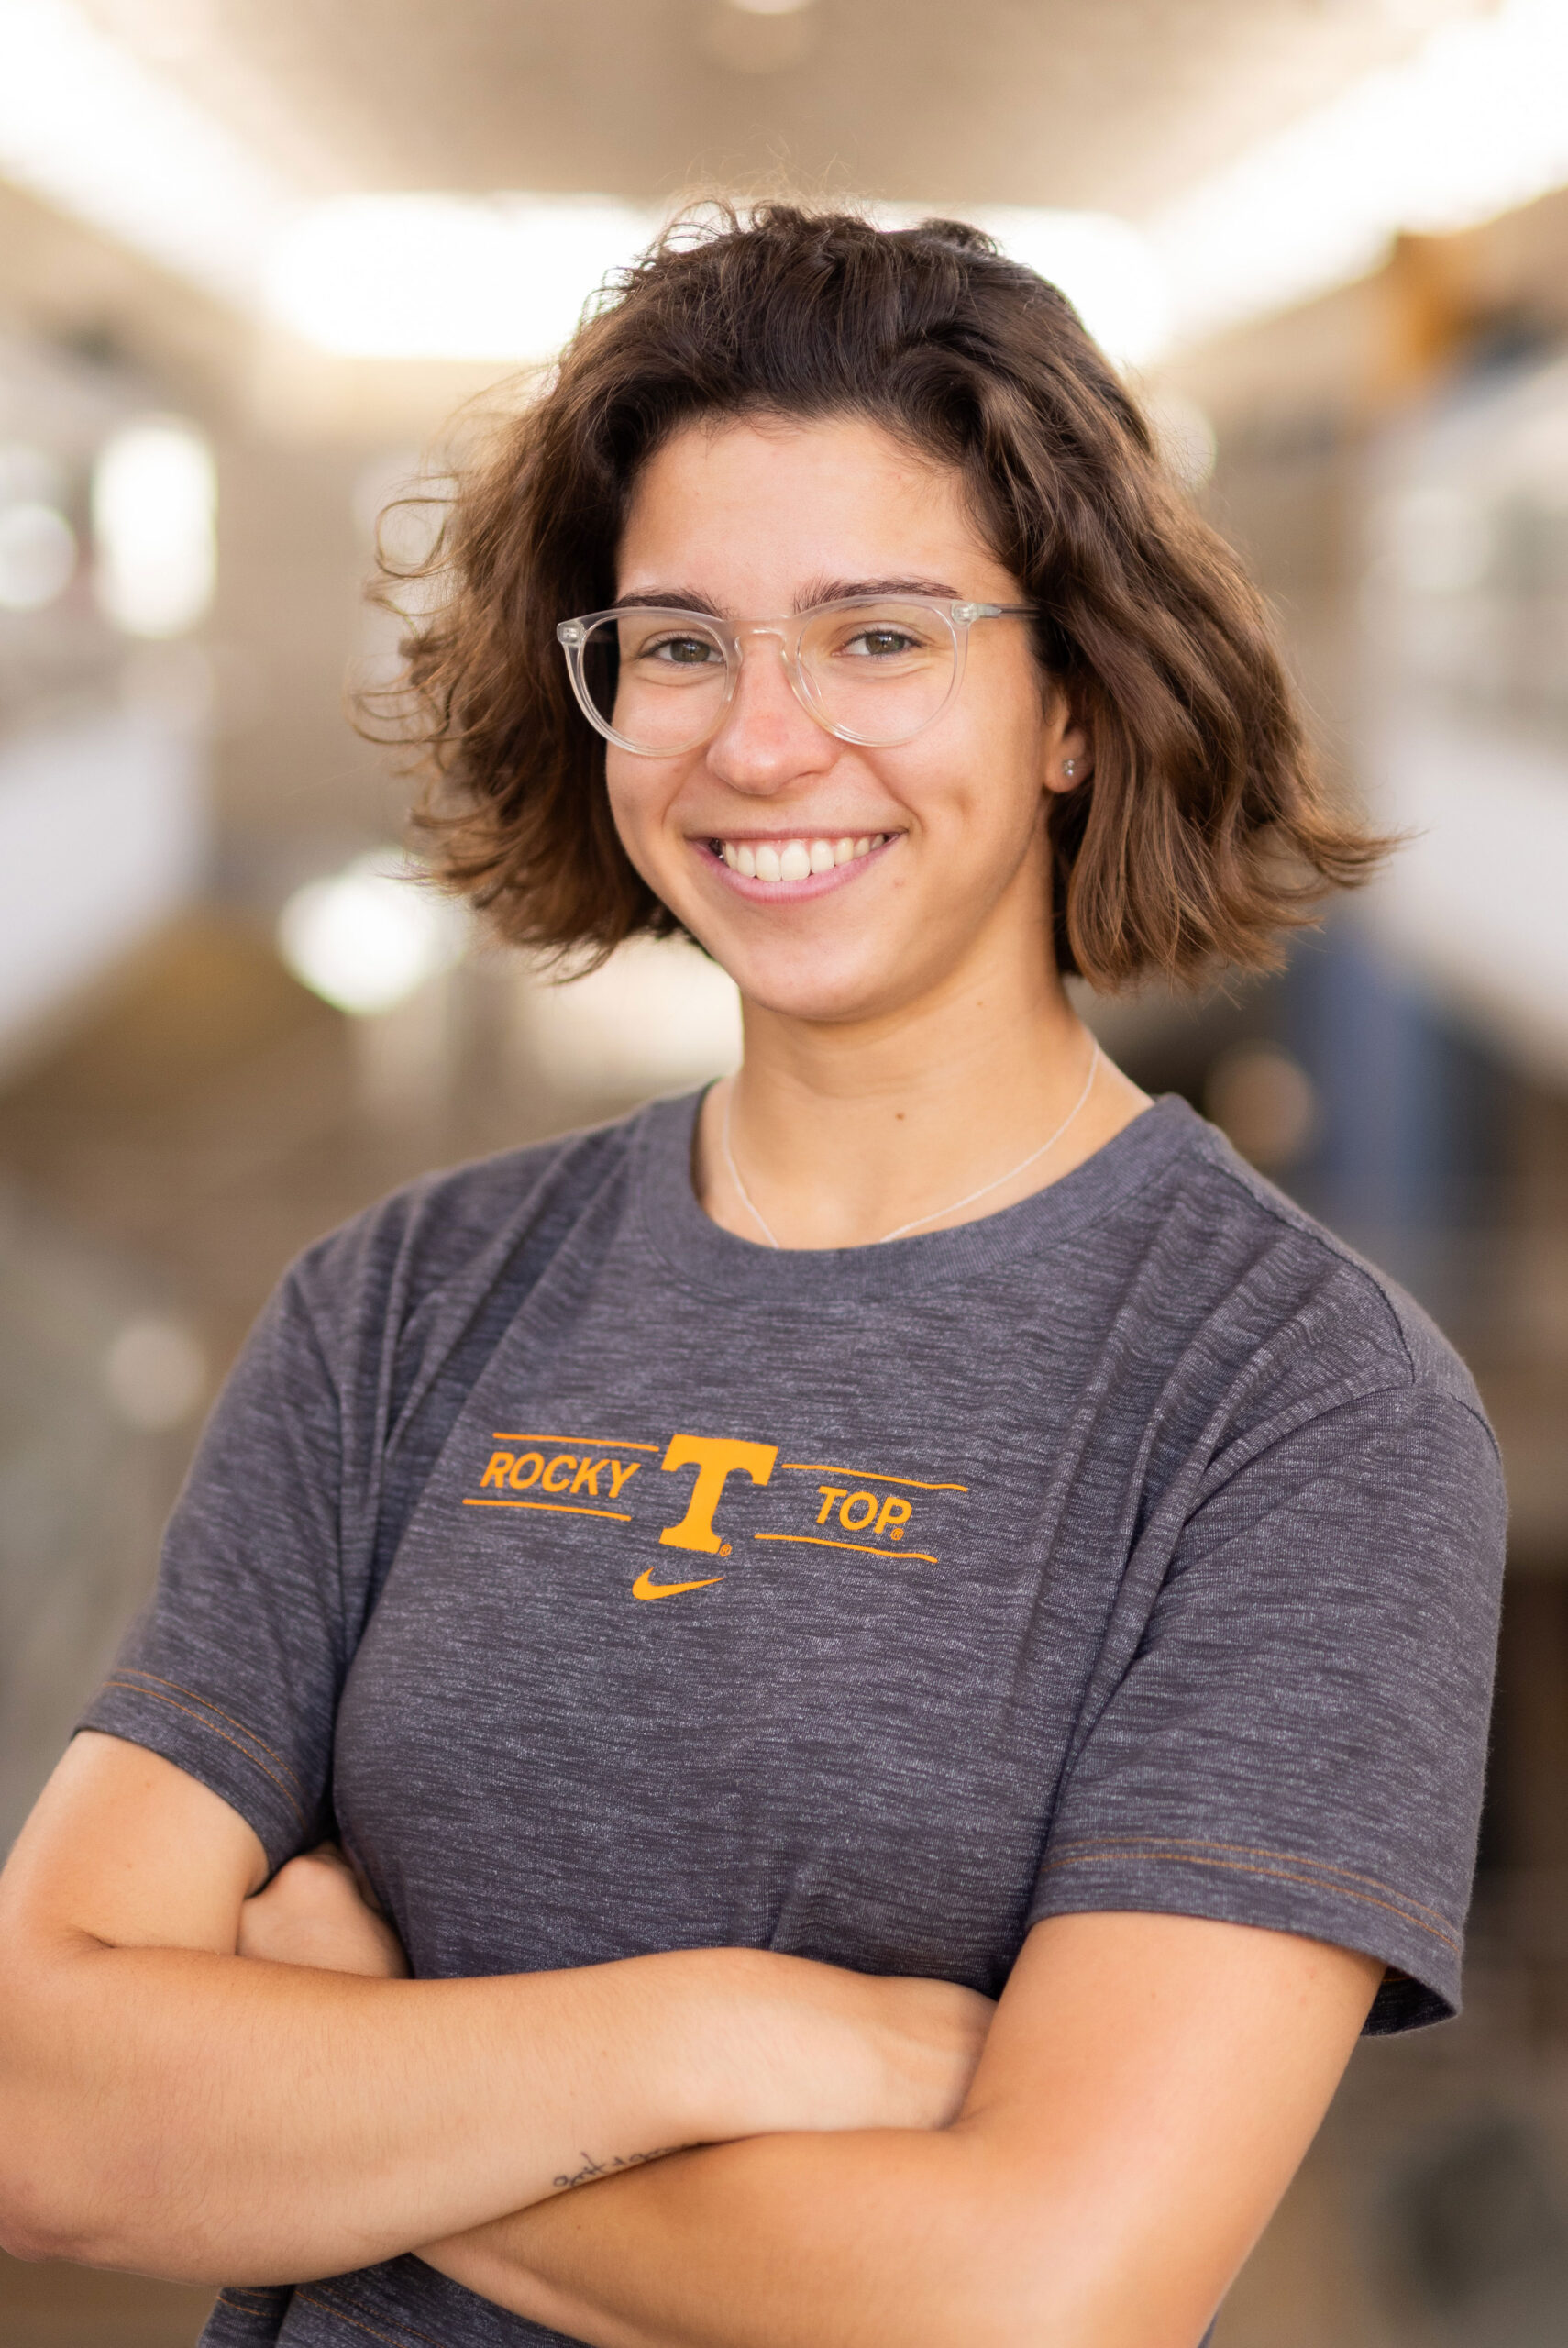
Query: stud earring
1069	769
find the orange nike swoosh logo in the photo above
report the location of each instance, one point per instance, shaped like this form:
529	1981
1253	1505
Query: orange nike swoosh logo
645	1587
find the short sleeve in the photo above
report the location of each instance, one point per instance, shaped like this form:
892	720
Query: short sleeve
249	2315
233	1672
1299	1739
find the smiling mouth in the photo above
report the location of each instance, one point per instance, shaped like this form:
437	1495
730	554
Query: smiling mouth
798	859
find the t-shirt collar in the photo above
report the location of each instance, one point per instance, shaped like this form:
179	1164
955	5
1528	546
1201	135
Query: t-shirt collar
719	1262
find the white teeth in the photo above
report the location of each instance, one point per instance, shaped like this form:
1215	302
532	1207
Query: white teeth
795	859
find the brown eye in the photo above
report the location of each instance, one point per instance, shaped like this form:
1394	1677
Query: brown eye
875	641
682	651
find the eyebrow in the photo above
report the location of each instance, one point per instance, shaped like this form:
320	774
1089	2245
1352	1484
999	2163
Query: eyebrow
839	590
666	599
819	591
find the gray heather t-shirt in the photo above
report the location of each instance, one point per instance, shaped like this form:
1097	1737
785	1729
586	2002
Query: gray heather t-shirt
610	1584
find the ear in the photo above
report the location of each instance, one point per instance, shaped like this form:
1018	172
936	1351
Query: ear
1069	753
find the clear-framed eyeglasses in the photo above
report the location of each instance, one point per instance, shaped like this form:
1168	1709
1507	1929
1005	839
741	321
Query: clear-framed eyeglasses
876	670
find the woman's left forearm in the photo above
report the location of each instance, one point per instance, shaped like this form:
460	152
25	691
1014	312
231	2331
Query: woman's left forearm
1148	2086
892	2236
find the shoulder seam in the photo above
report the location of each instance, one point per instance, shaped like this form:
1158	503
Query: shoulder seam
1459	1402
412	1200
1328	1245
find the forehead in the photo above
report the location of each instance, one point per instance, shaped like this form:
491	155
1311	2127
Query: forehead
756	507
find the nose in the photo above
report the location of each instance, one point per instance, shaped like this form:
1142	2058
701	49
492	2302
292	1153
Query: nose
767	738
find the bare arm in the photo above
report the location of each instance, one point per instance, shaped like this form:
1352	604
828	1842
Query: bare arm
1146	2092
169	2105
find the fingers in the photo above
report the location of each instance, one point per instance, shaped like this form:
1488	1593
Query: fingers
330	1853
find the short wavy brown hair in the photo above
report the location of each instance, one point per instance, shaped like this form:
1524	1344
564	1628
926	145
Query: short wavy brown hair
1203	830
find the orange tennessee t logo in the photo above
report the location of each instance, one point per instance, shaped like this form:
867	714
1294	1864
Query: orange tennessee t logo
715	1458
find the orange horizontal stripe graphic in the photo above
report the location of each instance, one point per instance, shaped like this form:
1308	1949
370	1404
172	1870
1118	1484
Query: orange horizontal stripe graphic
921	1556
558	1508
867	1474
604	1442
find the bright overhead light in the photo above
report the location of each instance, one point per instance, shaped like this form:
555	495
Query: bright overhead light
87	126
154	509
1475	124
368	937
501	277
506	277
1107	269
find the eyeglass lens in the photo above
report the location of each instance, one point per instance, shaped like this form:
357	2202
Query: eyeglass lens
876	673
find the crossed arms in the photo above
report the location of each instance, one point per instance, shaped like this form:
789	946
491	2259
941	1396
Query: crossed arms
1143	2094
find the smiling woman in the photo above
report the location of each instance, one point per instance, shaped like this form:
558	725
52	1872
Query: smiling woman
1085	1570
1206	833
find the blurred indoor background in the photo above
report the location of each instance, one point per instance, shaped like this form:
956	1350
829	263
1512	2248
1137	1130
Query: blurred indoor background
255	253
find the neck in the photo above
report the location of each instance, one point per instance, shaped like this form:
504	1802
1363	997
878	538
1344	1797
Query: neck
844	1132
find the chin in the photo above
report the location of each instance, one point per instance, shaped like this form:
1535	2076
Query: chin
816	994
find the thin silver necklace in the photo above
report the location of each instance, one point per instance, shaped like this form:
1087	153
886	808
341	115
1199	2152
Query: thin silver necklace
967	1200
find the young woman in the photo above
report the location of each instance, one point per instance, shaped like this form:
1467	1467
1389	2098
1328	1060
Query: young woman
918	1524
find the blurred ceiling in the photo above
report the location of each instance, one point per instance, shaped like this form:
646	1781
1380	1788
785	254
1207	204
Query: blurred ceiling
1109	104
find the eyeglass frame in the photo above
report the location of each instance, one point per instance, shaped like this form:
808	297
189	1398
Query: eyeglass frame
960	616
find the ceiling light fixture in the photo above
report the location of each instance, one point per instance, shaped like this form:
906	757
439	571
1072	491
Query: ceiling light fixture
1474	124
499	278
505	278
1107	269
154	514
87	126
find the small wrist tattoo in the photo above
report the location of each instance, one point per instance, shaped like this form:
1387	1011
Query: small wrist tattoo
592	2169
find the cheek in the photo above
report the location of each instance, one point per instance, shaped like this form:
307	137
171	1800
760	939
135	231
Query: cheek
643	795
636	802
985	789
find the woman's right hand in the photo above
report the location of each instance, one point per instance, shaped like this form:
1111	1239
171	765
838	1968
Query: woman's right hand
850	2050
300	2120
313	1912
816	2046
931	2036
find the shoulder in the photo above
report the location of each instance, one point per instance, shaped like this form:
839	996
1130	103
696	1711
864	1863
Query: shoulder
433	1250
1274	1304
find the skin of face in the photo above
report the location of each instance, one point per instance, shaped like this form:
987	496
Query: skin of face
755	519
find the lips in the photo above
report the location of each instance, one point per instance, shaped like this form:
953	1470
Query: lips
796	859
